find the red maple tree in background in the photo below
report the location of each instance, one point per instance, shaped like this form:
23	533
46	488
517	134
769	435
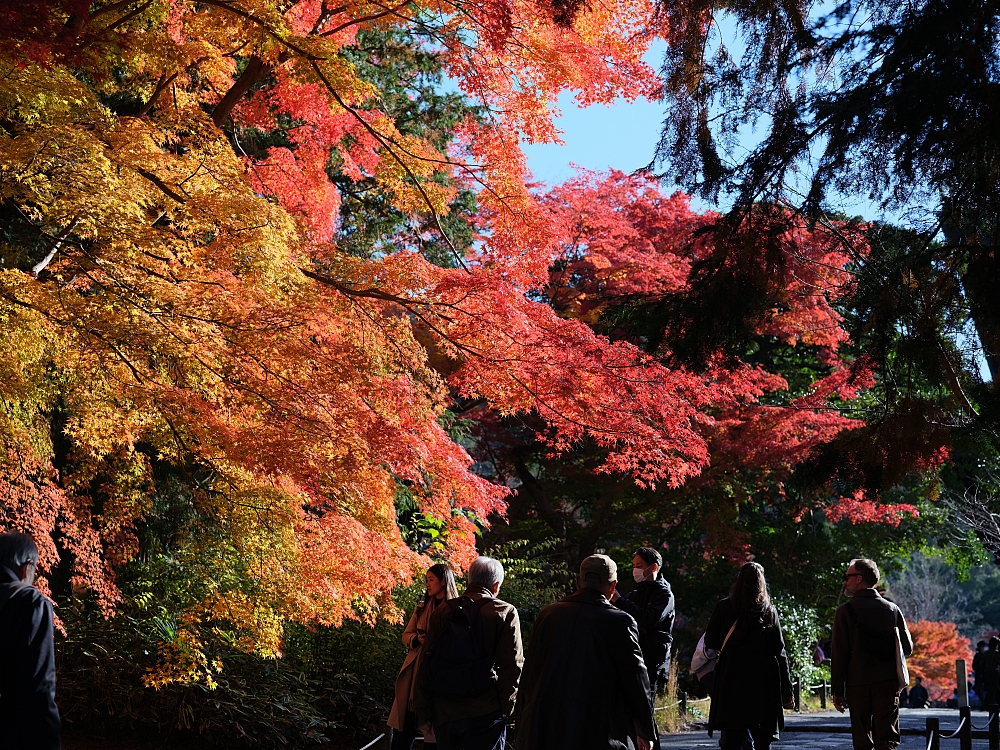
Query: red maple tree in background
936	647
622	250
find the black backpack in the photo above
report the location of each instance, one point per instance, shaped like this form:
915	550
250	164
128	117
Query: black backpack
878	644
458	664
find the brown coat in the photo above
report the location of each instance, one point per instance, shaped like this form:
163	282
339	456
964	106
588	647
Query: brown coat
502	644
416	629
851	665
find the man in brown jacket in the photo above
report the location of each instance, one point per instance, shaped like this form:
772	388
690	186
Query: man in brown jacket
863	671
470	718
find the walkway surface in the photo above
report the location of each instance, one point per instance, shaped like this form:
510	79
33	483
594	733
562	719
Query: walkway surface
910	718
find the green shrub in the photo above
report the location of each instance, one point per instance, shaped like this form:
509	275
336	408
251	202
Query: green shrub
801	628
257	701
530	583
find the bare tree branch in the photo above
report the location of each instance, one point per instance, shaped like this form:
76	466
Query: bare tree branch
56	244
161	86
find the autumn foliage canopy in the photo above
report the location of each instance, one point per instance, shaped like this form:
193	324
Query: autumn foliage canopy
175	292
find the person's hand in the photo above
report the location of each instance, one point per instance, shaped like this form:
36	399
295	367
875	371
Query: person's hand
839	703
643	744
789	704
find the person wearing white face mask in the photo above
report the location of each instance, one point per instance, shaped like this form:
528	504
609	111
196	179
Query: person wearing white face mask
651	605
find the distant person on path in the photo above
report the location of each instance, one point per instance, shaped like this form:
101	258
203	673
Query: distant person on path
29	717
467	678
819	656
952	702
752	679
402	719
979	686
651	605
585	685
863	671
918	695
990	665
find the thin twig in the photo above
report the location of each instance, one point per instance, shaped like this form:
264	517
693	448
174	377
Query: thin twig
388	147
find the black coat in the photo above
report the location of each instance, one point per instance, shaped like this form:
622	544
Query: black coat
584	684
752	679
29	717
918	696
989	665
651	605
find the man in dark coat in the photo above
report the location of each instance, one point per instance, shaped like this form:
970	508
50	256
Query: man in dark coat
918	695
863	673
651	605
979	686
584	684
29	717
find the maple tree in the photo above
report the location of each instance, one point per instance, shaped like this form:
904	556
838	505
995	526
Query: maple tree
252	269
936	647
628	251
174	294
836	87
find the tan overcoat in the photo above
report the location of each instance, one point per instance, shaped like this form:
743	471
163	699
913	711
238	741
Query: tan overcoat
415	631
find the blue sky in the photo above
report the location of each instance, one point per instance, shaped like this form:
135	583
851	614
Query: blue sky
623	136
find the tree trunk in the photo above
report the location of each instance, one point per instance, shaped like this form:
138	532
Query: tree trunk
982	288
254	71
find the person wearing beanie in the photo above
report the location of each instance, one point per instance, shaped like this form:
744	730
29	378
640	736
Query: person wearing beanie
584	684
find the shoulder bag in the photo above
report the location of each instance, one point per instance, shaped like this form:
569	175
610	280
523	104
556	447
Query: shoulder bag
701	663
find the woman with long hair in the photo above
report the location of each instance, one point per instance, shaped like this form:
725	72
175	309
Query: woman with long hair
440	582
752	680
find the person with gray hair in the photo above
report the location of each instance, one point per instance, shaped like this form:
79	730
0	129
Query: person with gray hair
868	631
29	717
467	679
485	571
585	684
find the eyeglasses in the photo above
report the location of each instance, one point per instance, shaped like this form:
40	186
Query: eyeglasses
850	575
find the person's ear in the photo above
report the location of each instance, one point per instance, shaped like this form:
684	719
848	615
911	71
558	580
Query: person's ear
611	591
26	572
495	588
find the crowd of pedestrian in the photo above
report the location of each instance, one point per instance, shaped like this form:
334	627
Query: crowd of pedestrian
592	668
589	675
596	658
